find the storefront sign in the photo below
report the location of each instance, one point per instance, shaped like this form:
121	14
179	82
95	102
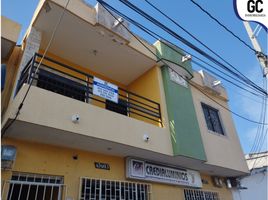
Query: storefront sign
104	166
138	169
105	90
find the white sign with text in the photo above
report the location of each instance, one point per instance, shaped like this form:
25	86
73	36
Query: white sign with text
105	90
143	170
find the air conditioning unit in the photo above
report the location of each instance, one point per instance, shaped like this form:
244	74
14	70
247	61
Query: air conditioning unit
217	181
8	156
211	83
235	183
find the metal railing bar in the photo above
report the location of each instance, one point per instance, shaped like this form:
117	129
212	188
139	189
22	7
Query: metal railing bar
140	107
20	191
26	69
82	87
144	116
138	95
138	101
59	72
24	75
27	65
24	80
78	71
33	183
129	104
64	65
11	192
148	112
28	193
83	90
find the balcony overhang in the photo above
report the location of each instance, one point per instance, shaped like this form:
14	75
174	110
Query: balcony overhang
9	36
46	118
82	41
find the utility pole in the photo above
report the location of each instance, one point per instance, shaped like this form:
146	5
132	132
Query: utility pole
260	55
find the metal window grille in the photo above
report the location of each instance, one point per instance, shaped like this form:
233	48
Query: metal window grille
190	194
24	186
212	119
97	189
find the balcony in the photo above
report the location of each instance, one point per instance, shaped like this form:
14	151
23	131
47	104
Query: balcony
60	91
70	82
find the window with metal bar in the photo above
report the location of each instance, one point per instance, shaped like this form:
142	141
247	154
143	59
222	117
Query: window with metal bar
190	194
98	189
24	186
212	119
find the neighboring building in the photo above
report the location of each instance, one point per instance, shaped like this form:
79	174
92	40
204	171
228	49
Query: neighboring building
254	186
106	119
10	31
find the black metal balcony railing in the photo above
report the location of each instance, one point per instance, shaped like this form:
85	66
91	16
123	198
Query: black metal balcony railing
68	81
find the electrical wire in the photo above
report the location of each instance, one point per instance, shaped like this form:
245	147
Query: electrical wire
189	82
29	86
260	128
185	30
183	40
223	26
261	133
158	37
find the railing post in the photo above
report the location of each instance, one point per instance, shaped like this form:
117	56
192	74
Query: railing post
87	90
128	107
31	70
160	115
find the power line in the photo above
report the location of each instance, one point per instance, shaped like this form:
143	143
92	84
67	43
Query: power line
185	30
158	37
104	4
189	44
223	26
181	27
261	134
29	87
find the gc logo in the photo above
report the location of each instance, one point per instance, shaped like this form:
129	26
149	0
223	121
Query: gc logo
254	6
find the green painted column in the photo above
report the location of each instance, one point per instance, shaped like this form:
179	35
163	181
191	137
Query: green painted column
184	128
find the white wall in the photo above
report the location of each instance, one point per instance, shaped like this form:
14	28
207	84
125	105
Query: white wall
256	185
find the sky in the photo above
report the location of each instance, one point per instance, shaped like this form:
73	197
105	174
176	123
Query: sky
206	30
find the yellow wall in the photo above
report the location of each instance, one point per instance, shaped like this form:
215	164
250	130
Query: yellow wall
52	160
78	75
147	85
11	71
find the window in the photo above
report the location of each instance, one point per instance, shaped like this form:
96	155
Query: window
33	187
120	107
200	195
97	189
212	119
61	85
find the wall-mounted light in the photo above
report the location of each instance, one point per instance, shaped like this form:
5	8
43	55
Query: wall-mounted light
146	138
117	22
75	118
8	156
186	58
216	83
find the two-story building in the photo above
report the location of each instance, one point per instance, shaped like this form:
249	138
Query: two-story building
104	118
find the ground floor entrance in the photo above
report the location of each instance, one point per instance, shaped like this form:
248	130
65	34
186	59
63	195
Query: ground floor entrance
47	172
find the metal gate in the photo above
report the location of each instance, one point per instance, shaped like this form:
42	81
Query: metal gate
23	186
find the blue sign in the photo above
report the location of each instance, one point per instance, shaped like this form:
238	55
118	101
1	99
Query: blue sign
105	90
